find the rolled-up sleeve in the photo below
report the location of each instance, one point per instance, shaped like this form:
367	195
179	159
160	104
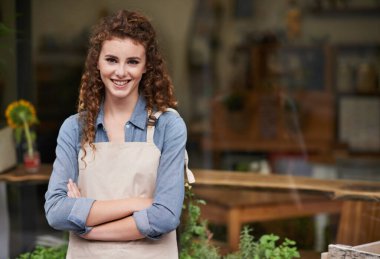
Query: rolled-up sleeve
62	212
164	214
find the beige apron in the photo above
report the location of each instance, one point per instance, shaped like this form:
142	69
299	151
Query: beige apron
114	171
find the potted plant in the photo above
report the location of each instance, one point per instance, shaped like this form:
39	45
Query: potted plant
266	247
195	239
21	115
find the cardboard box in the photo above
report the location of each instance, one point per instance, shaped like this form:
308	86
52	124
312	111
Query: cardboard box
366	251
8	157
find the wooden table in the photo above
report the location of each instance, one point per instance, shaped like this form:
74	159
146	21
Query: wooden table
236	198
27	198
20	175
235	207
336	188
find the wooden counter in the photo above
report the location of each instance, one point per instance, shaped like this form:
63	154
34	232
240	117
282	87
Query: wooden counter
20	175
338	188
364	190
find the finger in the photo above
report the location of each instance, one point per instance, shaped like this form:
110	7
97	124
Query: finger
69	191
68	187
76	190
71	182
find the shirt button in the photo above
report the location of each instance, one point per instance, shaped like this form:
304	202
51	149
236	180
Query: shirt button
127	126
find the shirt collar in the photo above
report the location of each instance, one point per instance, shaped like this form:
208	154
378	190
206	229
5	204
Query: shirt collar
100	118
139	115
138	118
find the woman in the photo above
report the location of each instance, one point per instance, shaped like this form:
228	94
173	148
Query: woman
118	173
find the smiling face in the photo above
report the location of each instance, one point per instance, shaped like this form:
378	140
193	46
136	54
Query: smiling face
121	65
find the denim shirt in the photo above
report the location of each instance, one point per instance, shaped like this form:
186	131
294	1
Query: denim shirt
64	213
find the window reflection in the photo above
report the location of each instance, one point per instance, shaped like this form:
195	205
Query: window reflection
274	89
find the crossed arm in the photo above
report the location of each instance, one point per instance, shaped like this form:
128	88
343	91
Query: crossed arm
111	218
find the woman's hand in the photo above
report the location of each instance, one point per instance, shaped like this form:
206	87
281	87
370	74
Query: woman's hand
88	235
73	190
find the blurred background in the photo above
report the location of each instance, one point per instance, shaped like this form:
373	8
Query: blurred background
265	87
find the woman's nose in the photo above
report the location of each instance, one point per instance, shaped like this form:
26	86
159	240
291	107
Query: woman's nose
120	71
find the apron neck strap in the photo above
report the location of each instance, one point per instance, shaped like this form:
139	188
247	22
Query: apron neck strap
152	120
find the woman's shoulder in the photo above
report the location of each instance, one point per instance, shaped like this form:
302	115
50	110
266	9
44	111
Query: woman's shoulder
171	119
71	125
72	121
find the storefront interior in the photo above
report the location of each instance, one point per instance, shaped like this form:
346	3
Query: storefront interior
281	100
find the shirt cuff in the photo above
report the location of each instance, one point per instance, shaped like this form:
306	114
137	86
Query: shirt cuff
142	223
79	214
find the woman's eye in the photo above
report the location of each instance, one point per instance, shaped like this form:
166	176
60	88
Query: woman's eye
111	60
133	62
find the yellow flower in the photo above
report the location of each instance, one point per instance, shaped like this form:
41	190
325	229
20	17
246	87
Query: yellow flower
20	116
20	112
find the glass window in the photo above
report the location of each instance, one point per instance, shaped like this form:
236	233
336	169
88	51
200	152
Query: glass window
281	100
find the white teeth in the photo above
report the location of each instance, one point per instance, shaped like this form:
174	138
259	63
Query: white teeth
117	82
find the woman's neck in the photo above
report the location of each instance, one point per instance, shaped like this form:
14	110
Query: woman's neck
119	109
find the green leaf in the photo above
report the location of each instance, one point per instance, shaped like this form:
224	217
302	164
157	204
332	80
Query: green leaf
4	30
46	252
33	136
202	202
18	135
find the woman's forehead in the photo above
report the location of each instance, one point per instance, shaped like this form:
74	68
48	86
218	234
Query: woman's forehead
123	45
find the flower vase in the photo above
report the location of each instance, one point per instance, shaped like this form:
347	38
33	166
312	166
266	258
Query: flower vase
32	162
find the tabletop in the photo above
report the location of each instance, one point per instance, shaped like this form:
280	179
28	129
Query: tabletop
339	188
19	174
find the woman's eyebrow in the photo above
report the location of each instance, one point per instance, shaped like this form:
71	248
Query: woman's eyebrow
128	58
134	58
110	56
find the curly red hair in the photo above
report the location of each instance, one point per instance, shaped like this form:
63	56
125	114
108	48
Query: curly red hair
155	85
